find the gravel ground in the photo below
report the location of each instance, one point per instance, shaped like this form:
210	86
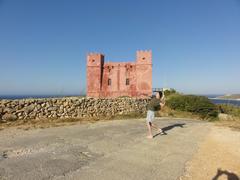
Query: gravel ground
107	150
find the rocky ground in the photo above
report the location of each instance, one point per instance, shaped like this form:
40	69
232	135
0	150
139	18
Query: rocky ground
119	149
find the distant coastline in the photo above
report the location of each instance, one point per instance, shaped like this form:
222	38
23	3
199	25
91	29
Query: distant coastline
225	101
230	97
13	97
219	98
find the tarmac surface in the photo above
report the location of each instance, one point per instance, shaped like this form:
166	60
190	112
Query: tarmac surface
108	150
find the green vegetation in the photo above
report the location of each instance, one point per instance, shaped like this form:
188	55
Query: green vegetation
170	92
198	105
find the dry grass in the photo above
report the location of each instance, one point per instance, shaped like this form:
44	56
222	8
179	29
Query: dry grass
46	123
233	118
232	123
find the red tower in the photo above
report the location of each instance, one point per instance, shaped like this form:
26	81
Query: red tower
115	79
94	74
144	72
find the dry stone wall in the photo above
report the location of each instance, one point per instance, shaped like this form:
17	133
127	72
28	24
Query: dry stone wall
69	107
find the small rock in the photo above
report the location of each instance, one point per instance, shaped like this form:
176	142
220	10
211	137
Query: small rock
9	117
8	110
65	104
223	116
52	108
29	109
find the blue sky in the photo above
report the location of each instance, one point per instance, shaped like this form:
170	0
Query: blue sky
43	44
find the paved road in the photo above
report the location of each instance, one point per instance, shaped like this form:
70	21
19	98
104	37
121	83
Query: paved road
105	151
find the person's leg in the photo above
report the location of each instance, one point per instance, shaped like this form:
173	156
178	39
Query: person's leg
148	120
150	136
156	127
153	125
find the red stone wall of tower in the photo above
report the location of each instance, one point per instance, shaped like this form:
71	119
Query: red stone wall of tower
116	79
94	74
144	73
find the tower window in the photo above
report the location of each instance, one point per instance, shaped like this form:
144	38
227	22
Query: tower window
127	81
109	82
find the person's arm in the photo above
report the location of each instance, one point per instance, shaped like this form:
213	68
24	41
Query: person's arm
162	101
162	104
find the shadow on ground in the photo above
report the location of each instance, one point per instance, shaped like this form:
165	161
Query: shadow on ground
230	175
167	128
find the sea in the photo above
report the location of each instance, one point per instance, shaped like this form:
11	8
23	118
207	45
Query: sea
12	97
225	101
213	98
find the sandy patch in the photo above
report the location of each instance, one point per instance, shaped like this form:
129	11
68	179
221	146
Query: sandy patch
218	157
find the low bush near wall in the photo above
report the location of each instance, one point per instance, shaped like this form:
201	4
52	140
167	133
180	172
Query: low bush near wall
195	104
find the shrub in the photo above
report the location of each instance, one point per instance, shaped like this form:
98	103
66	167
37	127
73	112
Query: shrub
199	105
170	92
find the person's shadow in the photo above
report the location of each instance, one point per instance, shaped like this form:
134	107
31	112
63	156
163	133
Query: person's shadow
167	128
230	175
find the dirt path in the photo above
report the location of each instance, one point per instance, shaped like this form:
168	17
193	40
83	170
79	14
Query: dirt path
218	156
105	150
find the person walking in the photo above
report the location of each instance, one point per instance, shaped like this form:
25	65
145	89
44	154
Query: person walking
155	104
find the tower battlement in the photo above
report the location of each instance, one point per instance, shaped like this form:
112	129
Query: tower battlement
144	51
94	54
144	57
